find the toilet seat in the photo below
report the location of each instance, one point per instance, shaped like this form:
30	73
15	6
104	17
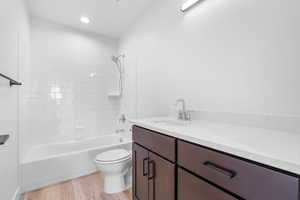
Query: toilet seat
113	156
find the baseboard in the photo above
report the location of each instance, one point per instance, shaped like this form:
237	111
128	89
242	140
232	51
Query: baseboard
17	195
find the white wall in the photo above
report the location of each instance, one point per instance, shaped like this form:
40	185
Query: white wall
68	82
223	55
14	56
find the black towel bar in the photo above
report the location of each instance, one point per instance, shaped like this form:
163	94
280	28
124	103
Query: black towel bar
3	139
11	81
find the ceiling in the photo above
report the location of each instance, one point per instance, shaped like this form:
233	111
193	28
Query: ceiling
108	17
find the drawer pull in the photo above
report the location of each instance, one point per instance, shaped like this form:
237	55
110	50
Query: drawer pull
145	171
221	170
151	170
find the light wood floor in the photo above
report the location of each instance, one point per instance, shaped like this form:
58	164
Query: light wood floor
83	188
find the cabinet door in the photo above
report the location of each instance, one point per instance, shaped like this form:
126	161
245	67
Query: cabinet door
161	178
140	173
192	188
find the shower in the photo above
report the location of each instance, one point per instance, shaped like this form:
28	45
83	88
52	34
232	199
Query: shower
118	61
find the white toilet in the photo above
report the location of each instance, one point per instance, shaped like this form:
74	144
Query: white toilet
114	164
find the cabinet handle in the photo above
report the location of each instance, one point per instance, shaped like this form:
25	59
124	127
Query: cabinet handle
145	171
221	170
151	170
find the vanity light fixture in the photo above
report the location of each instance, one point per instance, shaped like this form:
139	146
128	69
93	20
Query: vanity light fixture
85	20
189	4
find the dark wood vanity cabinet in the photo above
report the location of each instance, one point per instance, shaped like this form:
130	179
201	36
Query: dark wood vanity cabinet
243	178
167	168
140	173
153	176
192	188
161	178
161	144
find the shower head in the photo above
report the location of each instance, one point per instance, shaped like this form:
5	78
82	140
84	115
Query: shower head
116	59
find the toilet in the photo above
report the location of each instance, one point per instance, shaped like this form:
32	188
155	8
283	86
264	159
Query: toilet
114	164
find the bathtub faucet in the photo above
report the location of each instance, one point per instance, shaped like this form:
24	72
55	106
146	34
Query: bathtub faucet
122	119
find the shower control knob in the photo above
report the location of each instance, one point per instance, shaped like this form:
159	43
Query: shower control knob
122	119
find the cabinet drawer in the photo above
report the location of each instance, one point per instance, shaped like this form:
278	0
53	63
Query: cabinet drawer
193	188
243	178
156	142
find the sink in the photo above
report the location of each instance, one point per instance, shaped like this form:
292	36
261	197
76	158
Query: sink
171	122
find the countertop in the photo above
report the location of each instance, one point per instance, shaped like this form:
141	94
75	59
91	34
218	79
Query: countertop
270	147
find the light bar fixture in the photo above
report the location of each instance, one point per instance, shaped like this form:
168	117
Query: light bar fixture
189	4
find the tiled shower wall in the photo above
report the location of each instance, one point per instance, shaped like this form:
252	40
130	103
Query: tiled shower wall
65	92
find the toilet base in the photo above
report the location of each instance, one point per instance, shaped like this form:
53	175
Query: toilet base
114	184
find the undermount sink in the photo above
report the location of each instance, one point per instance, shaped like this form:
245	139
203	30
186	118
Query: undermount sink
172	122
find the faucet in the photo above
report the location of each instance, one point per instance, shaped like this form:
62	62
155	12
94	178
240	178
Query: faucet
183	114
122	119
120	132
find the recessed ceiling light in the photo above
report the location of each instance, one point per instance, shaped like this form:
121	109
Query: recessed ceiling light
85	20
92	75
188	4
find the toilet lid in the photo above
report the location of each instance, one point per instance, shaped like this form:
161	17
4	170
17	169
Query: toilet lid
113	155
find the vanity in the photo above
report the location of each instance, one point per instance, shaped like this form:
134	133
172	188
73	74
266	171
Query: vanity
178	163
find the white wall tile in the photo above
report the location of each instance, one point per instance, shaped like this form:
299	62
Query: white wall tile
66	94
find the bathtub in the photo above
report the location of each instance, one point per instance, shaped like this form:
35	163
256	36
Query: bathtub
52	163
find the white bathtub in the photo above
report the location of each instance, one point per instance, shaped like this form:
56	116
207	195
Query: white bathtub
52	163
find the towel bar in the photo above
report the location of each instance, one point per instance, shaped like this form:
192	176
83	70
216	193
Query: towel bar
3	139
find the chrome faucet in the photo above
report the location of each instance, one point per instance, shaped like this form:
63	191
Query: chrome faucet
183	114
122	119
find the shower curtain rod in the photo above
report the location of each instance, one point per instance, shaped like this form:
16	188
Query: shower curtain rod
12	82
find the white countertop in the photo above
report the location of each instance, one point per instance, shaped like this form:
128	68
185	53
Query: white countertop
274	148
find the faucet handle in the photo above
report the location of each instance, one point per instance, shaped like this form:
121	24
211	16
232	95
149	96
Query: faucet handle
189	115
181	115
122	119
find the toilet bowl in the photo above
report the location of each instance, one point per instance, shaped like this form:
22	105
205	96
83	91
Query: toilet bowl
114	165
